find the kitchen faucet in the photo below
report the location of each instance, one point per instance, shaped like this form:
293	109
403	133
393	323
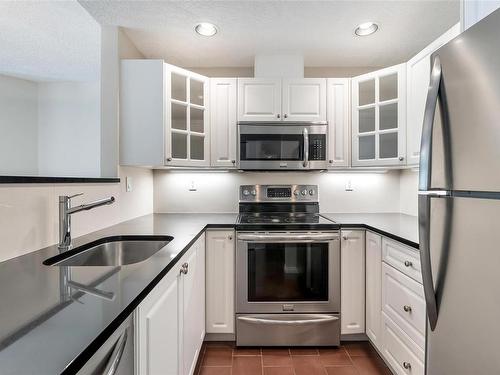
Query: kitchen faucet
65	212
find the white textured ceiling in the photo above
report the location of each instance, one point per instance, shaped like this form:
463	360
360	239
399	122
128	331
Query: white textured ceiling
49	40
322	31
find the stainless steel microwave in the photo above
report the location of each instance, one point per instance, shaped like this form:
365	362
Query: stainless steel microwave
282	146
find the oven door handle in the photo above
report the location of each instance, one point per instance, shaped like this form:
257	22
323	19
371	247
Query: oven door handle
288	238
313	319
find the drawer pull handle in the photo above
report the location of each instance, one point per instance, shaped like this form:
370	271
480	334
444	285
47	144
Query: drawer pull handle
407	365
408	263
407	308
184	268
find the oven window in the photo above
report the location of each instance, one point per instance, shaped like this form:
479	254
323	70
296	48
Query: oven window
271	147
287	272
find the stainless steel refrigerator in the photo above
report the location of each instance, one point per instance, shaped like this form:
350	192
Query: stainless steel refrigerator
459	204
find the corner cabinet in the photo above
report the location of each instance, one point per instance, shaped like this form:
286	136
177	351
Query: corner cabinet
352	281
287	100
163	115
223	123
170	321
379	118
418	71
338	115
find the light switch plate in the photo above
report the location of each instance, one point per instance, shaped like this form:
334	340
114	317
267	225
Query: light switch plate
348	185
128	184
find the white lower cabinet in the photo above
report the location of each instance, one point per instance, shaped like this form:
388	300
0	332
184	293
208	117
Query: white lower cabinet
170	321
220	259
402	354
374	288
352	282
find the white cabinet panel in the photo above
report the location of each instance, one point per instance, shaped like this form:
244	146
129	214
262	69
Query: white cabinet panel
379	117
220	259
223	123
353	281
404	302
304	99
158	327
374	288
402	354
417	76
473	11
193	292
259	99
338	115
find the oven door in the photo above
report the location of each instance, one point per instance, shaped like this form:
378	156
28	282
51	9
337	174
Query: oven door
288	272
291	146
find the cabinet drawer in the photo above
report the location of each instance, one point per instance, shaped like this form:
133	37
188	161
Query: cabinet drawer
403	258
404	302
403	355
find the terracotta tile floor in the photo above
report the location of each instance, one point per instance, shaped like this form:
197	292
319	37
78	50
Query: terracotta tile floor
355	358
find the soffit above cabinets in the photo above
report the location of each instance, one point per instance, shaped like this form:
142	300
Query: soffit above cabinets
321	31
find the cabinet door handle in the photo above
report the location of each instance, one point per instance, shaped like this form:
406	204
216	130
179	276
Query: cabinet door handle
285	115
169	159
407	308
233	161
278	115
407	365
184	268
401	158
408	263
230	238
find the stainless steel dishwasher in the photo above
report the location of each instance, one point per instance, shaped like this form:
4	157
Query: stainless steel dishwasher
116	355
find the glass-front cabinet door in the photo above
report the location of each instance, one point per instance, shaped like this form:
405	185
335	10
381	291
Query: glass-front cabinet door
187	135
379	117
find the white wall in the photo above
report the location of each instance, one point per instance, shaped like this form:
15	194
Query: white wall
18	126
218	192
69	129
408	191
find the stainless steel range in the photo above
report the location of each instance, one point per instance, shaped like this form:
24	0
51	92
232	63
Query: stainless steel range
287	269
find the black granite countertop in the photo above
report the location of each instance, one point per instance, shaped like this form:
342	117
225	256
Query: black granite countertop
401	227
43	333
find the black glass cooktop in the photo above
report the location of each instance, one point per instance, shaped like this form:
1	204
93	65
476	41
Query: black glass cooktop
282	218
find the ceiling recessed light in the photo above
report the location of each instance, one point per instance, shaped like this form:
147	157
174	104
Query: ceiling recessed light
206	29
366	28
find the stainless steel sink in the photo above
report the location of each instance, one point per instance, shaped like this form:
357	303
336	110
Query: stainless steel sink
111	251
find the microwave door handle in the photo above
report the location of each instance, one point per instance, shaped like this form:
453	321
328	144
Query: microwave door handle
306	147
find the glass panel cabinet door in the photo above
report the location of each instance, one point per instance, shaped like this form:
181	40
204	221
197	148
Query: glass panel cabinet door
379	117
187	144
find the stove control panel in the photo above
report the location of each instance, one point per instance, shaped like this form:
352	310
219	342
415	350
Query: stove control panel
278	193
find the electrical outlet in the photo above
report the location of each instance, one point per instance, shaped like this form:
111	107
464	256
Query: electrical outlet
128	184
192	186
348	185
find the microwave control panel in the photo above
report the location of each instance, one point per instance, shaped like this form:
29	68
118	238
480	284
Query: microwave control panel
317	147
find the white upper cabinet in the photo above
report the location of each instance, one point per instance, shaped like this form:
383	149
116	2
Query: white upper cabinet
473	11
269	99
338	115
163	115
417	78
379	117
259	99
304	99
186	118
223	123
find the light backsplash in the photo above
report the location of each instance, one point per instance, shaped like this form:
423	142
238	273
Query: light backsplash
29	212
218	192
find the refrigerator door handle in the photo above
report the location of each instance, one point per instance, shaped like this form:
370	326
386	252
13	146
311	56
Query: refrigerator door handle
425	170
424	206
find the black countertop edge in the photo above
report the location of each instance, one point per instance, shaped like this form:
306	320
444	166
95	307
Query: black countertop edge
384	233
92	348
57	180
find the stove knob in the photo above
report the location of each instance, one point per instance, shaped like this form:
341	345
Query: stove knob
303	192
254	193
311	192
245	192
296	193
